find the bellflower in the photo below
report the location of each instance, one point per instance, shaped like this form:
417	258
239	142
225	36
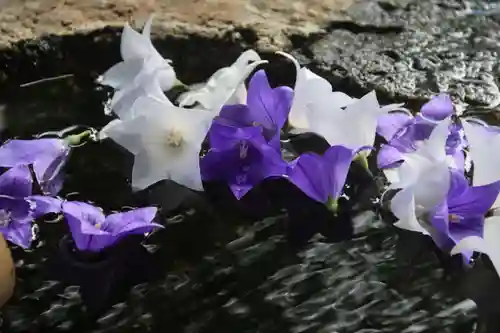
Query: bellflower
265	107
404	133
462	213
487	243
241	157
93	231
225	86
141	62
166	141
322	178
48	156
423	180
340	119
18	207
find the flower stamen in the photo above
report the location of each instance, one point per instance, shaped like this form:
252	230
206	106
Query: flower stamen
174	138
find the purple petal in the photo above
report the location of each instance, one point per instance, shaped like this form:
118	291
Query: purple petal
390	124
307	173
236	115
438	108
269	107
45	205
82	219
49	171
20	234
474	201
19	208
16	182
388	157
337	160
221	136
137	221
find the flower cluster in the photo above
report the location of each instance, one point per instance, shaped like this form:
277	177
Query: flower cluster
441	167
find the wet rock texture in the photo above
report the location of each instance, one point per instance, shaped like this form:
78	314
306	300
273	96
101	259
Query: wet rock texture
409	50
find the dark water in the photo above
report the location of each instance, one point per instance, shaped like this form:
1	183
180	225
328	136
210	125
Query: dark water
266	283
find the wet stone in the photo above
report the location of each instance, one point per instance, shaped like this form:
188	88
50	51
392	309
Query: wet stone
411	50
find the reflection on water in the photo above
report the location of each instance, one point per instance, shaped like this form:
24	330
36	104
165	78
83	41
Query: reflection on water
264	285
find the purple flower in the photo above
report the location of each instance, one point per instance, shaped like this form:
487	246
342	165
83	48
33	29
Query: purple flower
47	156
93	231
462	213
241	157
18	208
405	133
322	178
266	107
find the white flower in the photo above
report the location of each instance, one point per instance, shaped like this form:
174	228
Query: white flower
141	61
488	245
226	85
339	118
484	148
424	180
166	141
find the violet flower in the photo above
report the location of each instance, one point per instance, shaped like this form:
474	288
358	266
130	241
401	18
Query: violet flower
322	178
404	134
266	107
93	231
241	157
18	208
47	156
462	213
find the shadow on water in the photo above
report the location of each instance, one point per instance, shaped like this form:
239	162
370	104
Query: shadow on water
220	273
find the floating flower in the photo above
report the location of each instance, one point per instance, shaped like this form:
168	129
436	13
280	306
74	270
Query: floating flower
322	178
404	133
141	63
166	141
339	118
93	231
423	180
18	208
462	213
265	107
241	157
225	86
48	157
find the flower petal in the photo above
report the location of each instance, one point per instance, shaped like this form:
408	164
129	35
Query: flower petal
337	160
307	172
476	200
389	157
137	221
438	108
483	148
82	219
134	45
122	73
20	234
45	205
403	207
16	182
389	124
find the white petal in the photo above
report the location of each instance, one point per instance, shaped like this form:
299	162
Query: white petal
127	134
483	149
103	133
223	84
392	175
133	44
470	243
403	207
146	30
148	169
434	147
122	73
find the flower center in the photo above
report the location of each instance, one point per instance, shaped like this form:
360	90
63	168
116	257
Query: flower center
5	218
174	138
454	218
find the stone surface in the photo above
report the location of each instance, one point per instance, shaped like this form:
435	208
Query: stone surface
411	50
271	20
